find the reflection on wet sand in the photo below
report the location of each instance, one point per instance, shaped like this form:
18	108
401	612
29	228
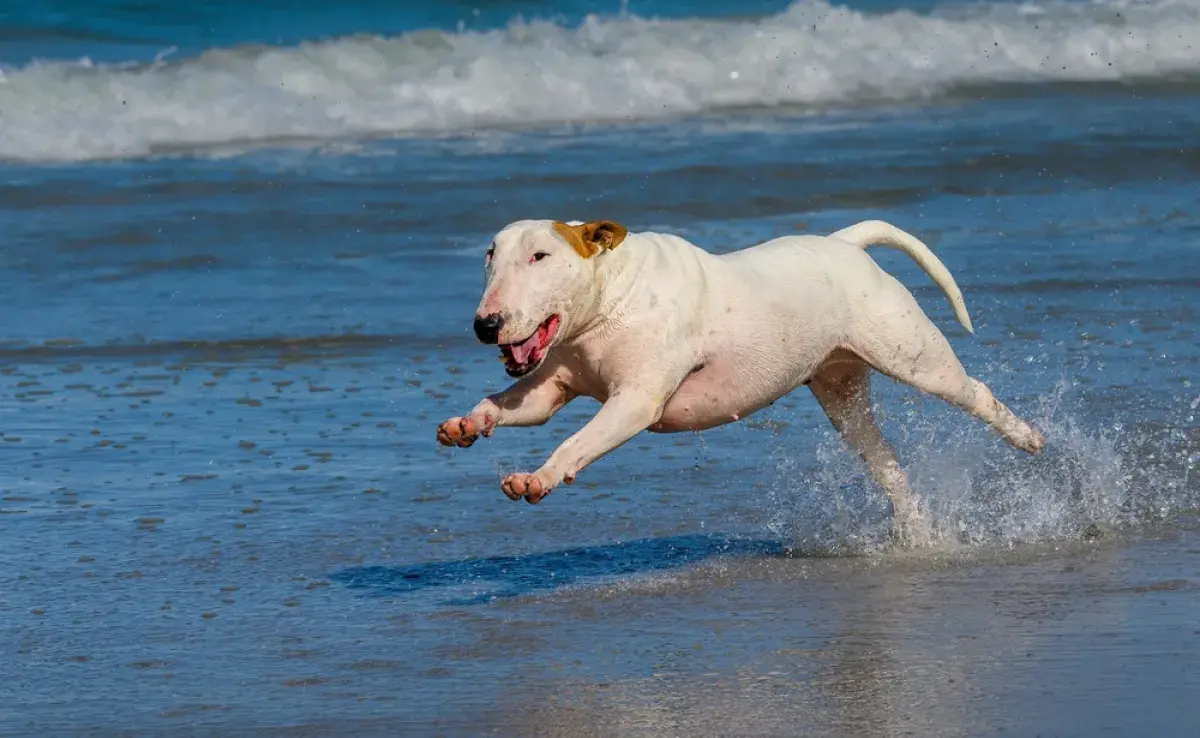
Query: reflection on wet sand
917	645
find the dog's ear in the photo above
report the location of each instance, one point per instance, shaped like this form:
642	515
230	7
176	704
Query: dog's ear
604	234
591	238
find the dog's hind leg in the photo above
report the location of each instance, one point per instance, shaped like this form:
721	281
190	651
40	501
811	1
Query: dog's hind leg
901	342
842	385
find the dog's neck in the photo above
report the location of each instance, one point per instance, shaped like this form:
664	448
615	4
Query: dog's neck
616	273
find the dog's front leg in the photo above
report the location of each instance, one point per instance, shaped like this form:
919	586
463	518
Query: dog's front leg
623	416
532	400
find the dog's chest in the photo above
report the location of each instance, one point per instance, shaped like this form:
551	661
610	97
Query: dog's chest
588	369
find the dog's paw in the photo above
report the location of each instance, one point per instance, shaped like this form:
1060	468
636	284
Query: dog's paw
1037	441
910	528
461	432
516	486
909	533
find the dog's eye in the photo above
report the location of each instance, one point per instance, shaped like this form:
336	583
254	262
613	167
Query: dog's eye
487	259
539	256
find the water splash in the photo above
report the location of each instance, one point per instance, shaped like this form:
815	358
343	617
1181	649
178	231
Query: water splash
1092	478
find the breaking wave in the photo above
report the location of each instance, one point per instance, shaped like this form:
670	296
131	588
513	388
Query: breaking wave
607	69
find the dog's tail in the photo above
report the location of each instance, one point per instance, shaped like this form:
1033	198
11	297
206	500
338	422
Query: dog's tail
877	232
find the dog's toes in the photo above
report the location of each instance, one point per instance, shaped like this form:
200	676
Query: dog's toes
461	432
509	487
535	492
516	486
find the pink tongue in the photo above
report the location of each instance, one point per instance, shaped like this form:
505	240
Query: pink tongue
522	351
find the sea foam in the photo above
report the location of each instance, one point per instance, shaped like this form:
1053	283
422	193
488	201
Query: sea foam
607	69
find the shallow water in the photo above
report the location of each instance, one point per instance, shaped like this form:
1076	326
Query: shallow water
224	510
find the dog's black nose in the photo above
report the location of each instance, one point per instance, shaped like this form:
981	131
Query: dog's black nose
488	328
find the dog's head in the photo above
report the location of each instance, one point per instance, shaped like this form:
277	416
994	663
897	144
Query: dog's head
540	284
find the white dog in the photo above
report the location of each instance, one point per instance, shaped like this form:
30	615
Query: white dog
672	338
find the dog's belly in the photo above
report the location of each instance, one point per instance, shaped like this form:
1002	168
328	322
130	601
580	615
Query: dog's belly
721	393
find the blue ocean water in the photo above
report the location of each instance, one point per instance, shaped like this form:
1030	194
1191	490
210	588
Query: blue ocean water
240	248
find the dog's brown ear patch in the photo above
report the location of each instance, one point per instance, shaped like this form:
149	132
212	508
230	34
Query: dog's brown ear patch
604	234
591	238
572	236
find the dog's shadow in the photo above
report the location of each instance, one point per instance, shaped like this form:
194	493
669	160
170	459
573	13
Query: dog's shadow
502	577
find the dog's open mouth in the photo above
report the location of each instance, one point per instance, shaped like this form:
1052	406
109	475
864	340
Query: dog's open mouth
525	356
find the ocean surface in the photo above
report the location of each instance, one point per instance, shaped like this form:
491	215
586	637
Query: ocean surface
240	250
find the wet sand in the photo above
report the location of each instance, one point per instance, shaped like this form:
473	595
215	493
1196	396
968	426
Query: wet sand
244	539
1076	640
